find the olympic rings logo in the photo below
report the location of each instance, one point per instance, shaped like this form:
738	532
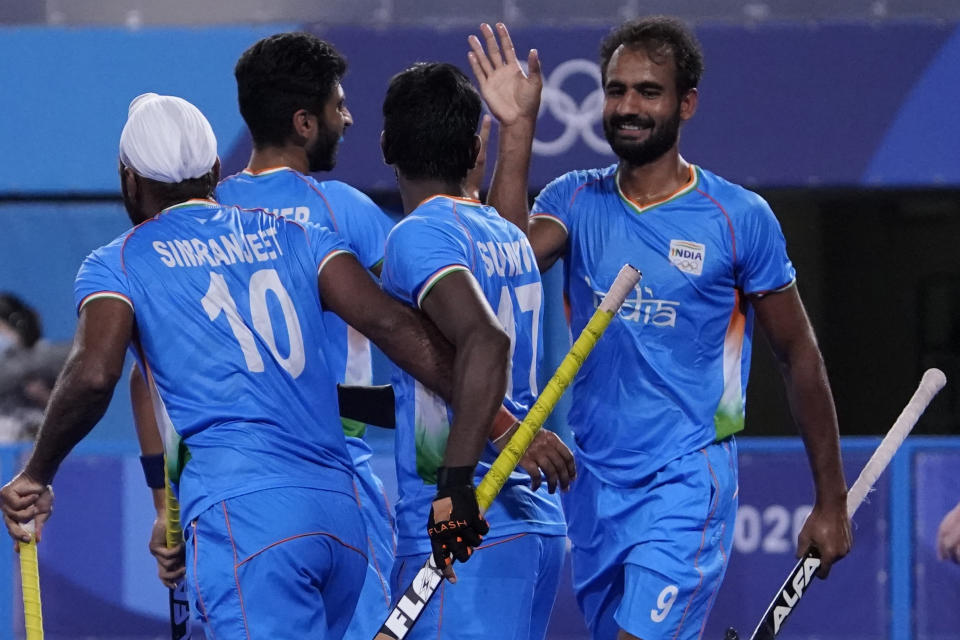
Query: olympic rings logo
579	120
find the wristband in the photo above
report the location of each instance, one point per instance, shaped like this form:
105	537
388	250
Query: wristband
153	470
454	476
502	422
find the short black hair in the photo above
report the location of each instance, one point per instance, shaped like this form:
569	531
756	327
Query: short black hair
281	74
430	118
202	187
22	318
659	36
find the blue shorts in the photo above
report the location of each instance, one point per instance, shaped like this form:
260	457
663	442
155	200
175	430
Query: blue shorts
505	591
649	560
278	563
375	602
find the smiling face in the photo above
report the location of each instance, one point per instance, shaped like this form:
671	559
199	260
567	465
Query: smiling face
642	112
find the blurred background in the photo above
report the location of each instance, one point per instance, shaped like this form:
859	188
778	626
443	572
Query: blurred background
842	114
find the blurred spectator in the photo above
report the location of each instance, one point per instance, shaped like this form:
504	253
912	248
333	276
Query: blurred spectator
29	367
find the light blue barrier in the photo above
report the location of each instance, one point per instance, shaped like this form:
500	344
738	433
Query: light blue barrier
98	580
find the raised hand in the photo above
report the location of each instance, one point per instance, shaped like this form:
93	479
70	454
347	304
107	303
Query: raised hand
510	94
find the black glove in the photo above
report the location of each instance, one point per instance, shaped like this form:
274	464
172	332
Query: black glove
455	525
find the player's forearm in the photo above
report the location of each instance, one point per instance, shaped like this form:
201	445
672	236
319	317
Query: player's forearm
159	501
79	400
144	420
812	405
480	379
508	192
413	343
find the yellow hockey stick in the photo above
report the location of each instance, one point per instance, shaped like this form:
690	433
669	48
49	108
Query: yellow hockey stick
30	583
179	603
413	601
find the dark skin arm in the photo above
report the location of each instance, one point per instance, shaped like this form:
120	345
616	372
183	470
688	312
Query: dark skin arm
458	308
171	562
785	323
415	344
79	400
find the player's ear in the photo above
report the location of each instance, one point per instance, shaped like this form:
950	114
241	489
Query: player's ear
477	147
304	123
212	178
688	104
129	185
385	149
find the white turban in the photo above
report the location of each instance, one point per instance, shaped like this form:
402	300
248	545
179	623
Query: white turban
167	139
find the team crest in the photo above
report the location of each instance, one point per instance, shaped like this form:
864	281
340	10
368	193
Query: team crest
687	256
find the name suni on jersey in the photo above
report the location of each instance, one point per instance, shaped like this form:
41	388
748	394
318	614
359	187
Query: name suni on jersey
230	249
507	258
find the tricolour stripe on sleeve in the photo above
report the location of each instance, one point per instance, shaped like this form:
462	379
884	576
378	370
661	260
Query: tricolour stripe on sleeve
435	278
330	256
760	294
104	294
551	217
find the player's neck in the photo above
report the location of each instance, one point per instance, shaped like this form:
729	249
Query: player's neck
282	156
413	192
655	180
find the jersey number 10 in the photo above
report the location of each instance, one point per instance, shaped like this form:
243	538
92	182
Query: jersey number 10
218	300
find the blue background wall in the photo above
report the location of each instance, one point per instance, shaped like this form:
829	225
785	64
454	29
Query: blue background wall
789	104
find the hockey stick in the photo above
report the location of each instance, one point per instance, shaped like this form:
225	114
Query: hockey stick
800	579
30	584
414	599
179	603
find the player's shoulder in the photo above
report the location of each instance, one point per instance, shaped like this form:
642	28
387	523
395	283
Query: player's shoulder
581	182
583	177
734	199
432	218
493	218
114	247
347	199
340	189
240	180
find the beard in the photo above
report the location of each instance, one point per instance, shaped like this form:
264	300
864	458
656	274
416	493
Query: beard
663	136
322	156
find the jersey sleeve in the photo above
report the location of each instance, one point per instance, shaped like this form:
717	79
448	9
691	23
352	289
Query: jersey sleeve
324	244
363	225
762	264
553	203
101	276
418	255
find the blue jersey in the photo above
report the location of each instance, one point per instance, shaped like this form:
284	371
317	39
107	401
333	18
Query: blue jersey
441	236
670	375
230	335
339	207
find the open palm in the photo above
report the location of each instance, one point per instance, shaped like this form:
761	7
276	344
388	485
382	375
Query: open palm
510	94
